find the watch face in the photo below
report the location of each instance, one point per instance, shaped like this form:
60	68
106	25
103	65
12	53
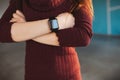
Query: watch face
54	24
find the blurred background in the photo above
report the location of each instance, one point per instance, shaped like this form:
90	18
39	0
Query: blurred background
99	61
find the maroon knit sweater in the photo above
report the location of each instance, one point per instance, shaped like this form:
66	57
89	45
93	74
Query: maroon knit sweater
45	62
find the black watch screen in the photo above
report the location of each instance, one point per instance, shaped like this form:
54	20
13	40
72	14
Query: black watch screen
53	24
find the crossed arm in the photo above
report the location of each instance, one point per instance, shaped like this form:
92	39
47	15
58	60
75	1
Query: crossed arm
21	32
78	35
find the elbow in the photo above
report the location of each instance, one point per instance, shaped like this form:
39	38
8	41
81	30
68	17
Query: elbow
16	34
86	38
86	42
9	33
82	42
15	37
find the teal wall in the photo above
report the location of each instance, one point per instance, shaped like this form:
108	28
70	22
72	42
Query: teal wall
100	25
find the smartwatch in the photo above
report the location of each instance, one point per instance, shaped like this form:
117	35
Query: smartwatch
53	22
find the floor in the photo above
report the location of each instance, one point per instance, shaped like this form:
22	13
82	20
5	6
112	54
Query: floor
99	60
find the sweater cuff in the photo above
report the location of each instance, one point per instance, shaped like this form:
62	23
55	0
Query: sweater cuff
67	37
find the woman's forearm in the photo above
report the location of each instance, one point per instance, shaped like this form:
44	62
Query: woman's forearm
49	39
29	30
22	30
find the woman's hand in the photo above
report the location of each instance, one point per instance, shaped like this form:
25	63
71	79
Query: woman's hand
18	17
65	20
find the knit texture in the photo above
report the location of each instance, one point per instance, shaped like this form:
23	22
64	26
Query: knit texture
45	62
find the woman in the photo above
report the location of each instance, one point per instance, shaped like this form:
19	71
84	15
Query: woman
50	55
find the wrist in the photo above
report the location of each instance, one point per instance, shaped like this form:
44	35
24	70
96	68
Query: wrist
43	24
59	23
53	23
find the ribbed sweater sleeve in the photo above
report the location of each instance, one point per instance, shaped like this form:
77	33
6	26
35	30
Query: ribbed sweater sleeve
5	25
80	35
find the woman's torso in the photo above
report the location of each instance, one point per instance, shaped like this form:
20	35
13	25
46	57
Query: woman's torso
44	62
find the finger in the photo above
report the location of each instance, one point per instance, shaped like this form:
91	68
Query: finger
14	20
20	13
17	20
17	16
